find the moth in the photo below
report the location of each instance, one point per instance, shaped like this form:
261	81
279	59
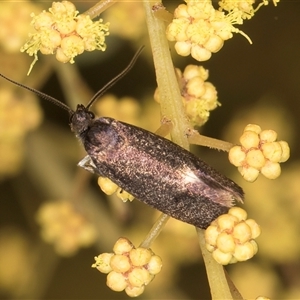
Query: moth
151	168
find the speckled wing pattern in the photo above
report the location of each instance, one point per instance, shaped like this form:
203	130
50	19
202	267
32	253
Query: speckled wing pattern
159	173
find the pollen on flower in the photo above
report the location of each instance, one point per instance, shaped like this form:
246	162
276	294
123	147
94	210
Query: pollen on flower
199	96
200	30
63	32
259	152
230	238
128	268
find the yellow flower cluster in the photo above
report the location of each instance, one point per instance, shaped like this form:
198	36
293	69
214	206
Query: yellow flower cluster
128	268
243	9
63	32
18	115
200	30
109	187
259	152
230	237
199	96
64	227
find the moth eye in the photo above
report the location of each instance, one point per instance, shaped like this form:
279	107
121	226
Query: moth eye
91	114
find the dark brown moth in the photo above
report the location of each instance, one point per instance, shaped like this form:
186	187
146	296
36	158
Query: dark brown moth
151	168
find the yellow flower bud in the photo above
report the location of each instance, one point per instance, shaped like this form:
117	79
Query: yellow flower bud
237	156
272	151
253	127
122	245
249	139
242	232
139	277
249	173
154	265
120	263
271	170
238	212
244	252
134	291
225	242
226	222
116	281
255	159
221	257
183	48
255	229
200	53
268	136
140	256
103	262
107	186
285	151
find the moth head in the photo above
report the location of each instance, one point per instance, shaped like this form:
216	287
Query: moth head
81	119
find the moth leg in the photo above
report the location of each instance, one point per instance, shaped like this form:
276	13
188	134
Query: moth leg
165	127
87	164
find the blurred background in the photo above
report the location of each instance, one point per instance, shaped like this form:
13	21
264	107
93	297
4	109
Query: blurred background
54	218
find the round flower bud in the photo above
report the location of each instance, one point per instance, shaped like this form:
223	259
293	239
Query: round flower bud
238	212
255	229
60	56
107	186
122	246
72	46
120	263
214	43
44	19
226	222
221	257
271	170
140	256
200	53
285	151
242	232
237	156
183	48
250	174
211	235
244	252
103	262
272	151
116	281
268	136
255	159
192	71
134	291
154	265
66	27
249	139
225	242
253	127
139	277
195	87
181	12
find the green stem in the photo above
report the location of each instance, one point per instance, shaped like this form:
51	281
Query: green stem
169	92
99	8
155	231
194	137
220	288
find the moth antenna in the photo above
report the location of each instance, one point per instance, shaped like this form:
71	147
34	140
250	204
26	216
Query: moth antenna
41	94
116	79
